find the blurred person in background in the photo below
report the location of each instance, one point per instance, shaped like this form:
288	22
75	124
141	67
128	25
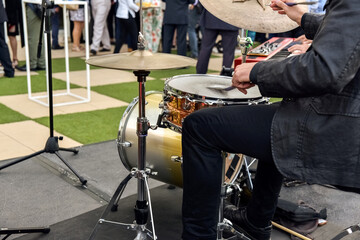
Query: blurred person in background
77	17
14	24
4	50
33	21
152	22
55	25
195	11
100	10
125	24
176	18
212	27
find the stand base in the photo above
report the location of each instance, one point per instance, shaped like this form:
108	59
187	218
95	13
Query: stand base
10	231
51	146
140	228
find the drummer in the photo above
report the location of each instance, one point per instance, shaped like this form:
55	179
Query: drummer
312	135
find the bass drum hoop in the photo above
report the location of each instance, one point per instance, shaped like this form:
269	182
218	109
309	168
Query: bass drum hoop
121	141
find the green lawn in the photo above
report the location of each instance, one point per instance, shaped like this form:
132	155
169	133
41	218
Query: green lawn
7	115
88	127
84	127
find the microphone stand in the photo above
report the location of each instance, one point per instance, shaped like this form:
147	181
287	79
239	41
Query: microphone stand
52	145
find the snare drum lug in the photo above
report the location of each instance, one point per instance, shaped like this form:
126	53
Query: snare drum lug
176	159
124	144
153	127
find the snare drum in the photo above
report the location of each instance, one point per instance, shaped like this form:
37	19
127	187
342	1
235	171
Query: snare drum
163	145
185	94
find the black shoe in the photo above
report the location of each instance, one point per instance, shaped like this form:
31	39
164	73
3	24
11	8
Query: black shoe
9	75
104	50
23	68
39	69
57	47
241	224
93	52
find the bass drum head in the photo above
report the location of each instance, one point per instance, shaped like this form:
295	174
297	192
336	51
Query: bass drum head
161	145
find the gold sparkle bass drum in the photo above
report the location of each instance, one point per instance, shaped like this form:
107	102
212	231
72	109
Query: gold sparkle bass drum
163	145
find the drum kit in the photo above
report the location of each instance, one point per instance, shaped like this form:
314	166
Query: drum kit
182	95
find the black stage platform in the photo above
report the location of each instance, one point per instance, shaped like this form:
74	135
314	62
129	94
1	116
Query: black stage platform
166	205
42	192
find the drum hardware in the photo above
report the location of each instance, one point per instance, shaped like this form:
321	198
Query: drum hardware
244	43
176	159
124	144
141	62
187	93
143	204
223	223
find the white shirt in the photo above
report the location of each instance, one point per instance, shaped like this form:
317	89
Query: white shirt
125	7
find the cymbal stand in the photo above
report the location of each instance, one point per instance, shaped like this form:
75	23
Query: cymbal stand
143	205
244	43
223	223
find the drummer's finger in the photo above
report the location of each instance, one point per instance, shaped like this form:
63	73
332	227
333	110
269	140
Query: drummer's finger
242	90
294	47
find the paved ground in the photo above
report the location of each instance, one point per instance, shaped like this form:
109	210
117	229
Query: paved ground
43	191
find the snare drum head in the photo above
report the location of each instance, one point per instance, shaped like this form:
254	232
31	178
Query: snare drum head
204	86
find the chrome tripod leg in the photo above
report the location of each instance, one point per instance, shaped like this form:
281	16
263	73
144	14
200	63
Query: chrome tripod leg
223	223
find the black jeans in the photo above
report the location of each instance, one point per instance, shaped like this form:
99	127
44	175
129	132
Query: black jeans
125	28
235	129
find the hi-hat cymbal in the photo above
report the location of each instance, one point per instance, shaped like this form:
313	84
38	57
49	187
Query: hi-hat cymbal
250	15
141	60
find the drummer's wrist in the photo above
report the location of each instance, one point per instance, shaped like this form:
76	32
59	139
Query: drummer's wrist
253	73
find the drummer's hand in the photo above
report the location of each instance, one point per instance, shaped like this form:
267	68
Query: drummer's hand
241	77
299	48
295	13
301	39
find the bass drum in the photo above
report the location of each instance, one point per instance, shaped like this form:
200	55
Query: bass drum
163	145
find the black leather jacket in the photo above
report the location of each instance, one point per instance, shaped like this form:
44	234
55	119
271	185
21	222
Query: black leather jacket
316	130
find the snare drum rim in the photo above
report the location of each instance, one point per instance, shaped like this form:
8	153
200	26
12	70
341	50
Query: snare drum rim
123	122
210	100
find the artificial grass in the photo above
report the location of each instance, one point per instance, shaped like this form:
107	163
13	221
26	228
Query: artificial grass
128	91
88	127
75	64
18	85
85	127
8	116
168	73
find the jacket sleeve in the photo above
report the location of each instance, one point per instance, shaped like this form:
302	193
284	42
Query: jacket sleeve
310	23
327	67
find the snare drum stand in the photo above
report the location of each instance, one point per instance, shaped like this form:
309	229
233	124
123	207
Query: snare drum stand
224	224
143	205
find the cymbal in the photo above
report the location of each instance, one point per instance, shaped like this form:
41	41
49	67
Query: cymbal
250	15
141	60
